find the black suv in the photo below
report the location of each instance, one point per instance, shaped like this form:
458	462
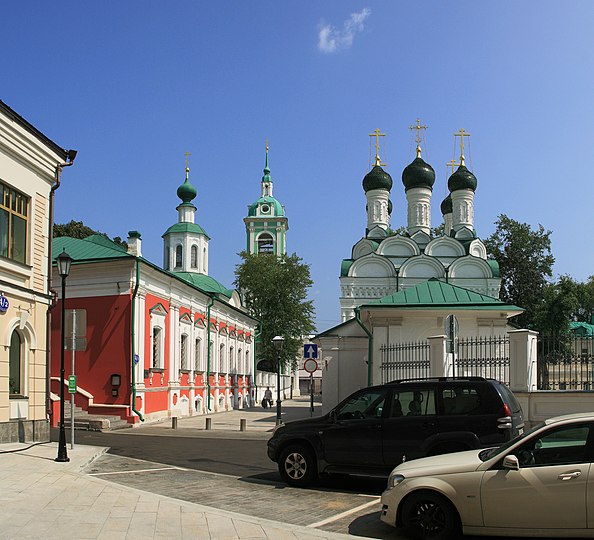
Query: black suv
378	427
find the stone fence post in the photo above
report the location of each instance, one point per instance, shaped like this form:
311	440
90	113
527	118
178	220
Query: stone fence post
522	360
439	365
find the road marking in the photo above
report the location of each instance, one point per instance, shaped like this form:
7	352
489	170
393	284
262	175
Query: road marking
344	514
138	470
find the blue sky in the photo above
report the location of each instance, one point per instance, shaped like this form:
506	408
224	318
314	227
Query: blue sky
133	85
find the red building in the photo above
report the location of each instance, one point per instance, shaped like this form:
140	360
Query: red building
152	342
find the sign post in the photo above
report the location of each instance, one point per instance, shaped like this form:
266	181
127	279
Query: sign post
310	353
451	330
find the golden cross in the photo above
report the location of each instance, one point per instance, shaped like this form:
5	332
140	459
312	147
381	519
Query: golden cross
452	164
462	134
187	154
376	133
418	127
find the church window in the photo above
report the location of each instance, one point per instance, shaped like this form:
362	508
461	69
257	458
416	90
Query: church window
183	352
232	363
265	243
265	208
166	258
13	224
194	257
204	260
157	332
198	355
178	257
15	370
222	365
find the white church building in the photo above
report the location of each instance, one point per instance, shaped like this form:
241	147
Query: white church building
400	288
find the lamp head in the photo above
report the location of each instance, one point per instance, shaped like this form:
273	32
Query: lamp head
278	341
64	261
71	155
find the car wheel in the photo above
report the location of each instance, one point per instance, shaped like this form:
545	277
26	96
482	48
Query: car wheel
427	515
297	466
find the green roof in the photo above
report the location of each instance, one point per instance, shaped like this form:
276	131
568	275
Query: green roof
204	282
435	293
185	228
582	328
277	206
344	266
96	246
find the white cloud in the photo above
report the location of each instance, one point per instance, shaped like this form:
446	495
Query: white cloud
331	40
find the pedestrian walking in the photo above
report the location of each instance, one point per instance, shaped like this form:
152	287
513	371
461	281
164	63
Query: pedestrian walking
268	396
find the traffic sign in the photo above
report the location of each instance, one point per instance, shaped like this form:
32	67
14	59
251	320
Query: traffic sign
310	350
72	384
310	365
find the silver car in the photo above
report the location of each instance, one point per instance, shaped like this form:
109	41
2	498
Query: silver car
539	484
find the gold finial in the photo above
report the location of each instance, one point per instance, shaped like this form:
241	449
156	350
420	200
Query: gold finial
187	154
418	138
462	134
452	164
376	133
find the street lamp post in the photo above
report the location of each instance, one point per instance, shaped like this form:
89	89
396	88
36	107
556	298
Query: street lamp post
64	261
278	345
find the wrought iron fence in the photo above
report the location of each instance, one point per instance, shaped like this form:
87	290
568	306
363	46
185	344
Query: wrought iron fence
483	357
404	360
565	362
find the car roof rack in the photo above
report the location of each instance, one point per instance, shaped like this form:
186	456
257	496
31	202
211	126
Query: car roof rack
438	379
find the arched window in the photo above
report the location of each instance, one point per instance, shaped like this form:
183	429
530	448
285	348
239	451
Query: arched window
222	359
265	243
204	260
167	257
157	347
198	355
15	373
194	257
178	257
183	352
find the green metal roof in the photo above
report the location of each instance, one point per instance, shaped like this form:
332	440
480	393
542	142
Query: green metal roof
204	282
93	247
277	206
185	228
582	328
435	293
344	267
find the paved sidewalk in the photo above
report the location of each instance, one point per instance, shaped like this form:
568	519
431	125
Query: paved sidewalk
259	422
40	498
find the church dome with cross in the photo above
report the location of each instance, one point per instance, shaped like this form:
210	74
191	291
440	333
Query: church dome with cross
383	262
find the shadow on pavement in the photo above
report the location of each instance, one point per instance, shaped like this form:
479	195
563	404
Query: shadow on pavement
370	526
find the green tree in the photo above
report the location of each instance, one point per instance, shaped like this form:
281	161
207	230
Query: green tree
274	290
77	229
558	307
525	262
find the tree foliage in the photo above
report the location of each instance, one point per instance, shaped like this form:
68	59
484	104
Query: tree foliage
525	262
77	229
274	290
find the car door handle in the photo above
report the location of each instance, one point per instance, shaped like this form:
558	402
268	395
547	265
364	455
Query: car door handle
569	476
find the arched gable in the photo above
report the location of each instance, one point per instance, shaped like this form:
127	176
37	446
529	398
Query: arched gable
421	238
478	249
398	246
470	267
423	267
444	246
372	266
363	247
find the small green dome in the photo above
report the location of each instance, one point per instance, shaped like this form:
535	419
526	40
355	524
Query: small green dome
418	174
377	178
446	205
186	192
462	179
269	206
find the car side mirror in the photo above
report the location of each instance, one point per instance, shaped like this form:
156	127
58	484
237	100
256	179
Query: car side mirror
511	462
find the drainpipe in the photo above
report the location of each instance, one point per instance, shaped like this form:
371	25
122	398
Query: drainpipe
134	340
212	301
370	346
48	319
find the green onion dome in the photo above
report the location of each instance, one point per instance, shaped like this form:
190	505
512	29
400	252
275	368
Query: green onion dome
377	178
186	192
418	174
446	205
390	207
462	179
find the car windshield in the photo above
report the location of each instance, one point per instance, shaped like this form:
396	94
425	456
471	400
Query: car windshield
489	453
